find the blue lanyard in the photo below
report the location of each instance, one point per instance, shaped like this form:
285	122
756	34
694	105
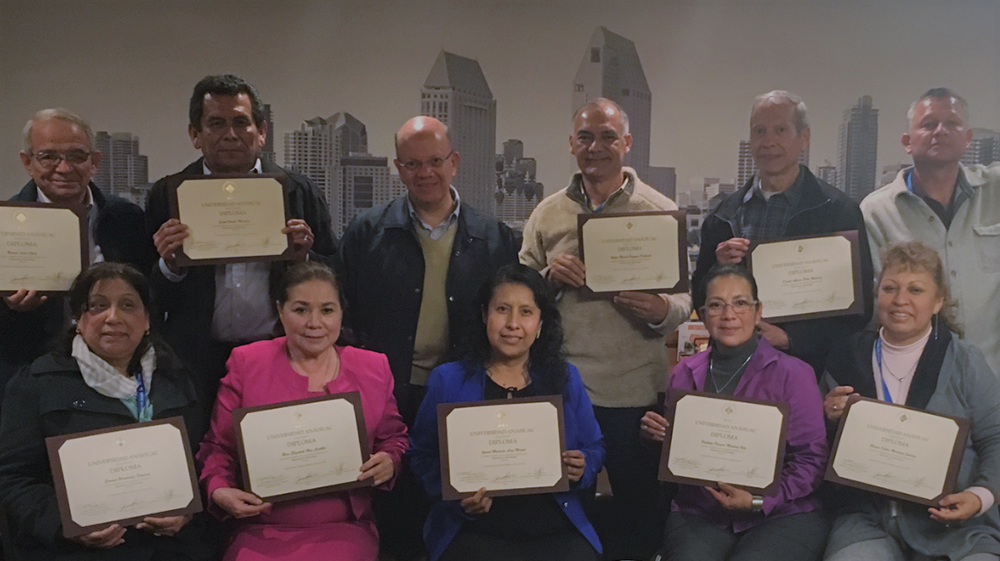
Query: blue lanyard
878	358
140	392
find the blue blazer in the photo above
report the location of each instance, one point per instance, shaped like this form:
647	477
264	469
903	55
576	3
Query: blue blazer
448	383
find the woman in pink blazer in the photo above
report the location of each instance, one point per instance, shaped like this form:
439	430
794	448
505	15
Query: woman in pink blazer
304	363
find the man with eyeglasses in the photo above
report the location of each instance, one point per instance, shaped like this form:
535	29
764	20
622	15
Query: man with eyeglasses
60	157
208	310
412	268
782	200
618	345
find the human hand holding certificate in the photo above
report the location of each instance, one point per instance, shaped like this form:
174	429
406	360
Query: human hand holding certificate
714	438
302	448
231	218
123	475
508	446
897	451
43	247
640	251
809	277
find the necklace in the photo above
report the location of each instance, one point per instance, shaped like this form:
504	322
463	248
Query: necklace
711	364
510	388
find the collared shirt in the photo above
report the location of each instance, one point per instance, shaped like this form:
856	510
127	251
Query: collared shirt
95	250
961	193
763	216
440	229
243	310
581	193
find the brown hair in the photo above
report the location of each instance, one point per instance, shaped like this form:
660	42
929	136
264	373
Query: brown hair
915	256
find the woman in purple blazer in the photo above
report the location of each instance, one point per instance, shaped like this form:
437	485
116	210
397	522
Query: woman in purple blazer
306	362
722	522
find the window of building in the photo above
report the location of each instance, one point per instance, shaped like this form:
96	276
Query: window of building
625	92
364	191
595	54
578	87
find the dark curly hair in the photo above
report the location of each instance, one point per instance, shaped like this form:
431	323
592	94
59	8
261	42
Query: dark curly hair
546	358
223	84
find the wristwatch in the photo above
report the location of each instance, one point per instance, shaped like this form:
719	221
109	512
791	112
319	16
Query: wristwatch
756	503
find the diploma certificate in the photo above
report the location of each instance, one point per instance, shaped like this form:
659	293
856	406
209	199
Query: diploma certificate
231	218
714	438
122	475
42	246
508	446
897	451
641	251
809	277
302	448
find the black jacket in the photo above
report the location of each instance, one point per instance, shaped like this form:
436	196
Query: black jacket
185	308
50	398
384	276
822	209
120	232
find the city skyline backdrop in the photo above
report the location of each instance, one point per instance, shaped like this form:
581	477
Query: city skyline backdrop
132	70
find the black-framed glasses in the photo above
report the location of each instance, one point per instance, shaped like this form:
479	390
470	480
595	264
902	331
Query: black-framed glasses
414	165
740	306
51	158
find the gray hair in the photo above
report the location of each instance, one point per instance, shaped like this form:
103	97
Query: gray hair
782	97
604	101
940	93
59	114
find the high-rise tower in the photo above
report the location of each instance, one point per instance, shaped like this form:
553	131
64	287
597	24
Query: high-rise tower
858	149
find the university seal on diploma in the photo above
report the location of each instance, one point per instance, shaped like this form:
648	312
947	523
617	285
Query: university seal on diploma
42	246
638	251
123	474
508	446
808	277
231	218
897	451
302	448
714	438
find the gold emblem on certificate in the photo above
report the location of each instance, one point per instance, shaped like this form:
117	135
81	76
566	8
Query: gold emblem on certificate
122	475
508	446
302	448
231	218
897	451
714	438
42	246
809	277
641	251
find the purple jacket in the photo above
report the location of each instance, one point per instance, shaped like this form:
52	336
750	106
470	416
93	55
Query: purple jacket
774	376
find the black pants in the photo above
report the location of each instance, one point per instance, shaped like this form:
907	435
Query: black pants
564	546
797	537
634	525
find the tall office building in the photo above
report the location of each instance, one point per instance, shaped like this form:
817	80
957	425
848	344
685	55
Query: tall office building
858	149
611	69
889	173
746	167
984	148
456	93
664	180
827	173
123	170
364	181
316	149
517	192
267	152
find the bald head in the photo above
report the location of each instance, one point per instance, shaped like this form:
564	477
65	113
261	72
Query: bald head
421	128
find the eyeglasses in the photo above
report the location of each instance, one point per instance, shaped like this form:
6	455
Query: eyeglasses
716	308
414	165
51	158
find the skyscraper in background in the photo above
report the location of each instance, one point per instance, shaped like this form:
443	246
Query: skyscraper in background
664	180
456	93
984	148
364	181
517	193
828	173
123	171
267	152
611	69
858	149
746	167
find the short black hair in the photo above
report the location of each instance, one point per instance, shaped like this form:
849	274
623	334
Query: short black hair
79	292
724	270
223	84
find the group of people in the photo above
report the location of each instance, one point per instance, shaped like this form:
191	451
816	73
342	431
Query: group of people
425	301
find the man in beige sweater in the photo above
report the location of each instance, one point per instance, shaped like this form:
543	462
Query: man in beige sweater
618	345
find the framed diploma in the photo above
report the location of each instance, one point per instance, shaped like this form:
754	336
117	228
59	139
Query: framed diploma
639	251
897	451
44	246
302	448
714	438
808	277
508	446
231	218
123	474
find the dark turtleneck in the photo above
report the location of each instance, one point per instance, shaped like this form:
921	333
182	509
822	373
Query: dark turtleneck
724	363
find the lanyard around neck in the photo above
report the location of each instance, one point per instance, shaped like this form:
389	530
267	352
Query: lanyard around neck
881	376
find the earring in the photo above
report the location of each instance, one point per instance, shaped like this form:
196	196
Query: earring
537	335
935	327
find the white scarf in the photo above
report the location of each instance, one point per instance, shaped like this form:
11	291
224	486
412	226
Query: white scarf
103	377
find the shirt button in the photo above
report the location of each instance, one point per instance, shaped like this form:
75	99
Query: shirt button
950	244
451	298
930	219
238	285
417	290
954	273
